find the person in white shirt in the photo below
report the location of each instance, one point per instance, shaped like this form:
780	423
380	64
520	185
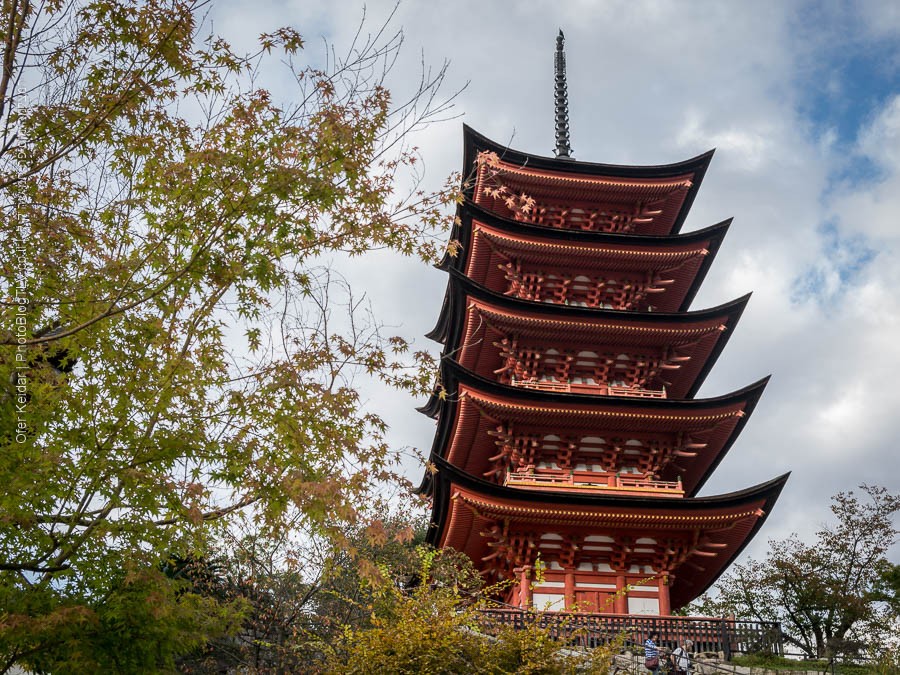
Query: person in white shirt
681	658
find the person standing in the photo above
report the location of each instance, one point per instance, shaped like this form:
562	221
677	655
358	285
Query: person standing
681	658
651	653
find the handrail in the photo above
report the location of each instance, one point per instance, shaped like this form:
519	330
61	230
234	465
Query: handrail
524	477
569	480
617	390
674	485
709	634
602	389
543	385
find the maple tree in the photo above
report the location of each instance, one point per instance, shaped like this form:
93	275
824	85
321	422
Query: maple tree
300	595
174	355
832	596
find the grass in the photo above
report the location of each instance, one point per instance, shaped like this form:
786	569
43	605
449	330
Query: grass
793	665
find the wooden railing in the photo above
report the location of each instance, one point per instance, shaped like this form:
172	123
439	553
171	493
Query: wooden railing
601	389
642	483
548	478
640	392
586	481
709	634
543	385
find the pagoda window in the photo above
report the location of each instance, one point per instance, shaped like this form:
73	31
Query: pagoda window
629	291
590	218
599	537
596	584
626	374
643	605
585	462
598	547
549	602
592	444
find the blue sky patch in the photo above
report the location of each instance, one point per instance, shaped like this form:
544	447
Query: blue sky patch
843	258
843	77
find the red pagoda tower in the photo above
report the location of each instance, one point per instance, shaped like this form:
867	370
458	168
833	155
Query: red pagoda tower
568	433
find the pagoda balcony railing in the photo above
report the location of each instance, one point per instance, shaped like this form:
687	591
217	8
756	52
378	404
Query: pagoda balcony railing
543	385
578	388
709	634
586	480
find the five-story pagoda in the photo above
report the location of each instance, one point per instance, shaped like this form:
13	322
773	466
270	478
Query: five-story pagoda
568	436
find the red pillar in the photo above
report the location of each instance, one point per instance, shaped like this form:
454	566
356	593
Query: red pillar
524	573
665	607
570	589
621	603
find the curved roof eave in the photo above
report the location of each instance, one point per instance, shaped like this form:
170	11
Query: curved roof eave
474	142
481	292
443	409
713	235
468	210
450	322
452	374
447	474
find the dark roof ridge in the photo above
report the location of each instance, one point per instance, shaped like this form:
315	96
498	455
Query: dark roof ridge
469	210
452	374
561	311
591	499
473	139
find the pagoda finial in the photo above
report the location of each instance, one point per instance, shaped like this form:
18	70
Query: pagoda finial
563	149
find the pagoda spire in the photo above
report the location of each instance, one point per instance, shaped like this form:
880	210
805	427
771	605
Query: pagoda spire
563	149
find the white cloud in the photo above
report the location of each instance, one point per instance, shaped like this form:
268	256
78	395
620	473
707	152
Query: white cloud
656	82
880	141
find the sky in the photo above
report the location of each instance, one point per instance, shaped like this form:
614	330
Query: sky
801	101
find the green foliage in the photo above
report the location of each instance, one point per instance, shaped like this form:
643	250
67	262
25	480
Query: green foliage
832	596
176	356
887	586
141	625
438	628
302	597
886	665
